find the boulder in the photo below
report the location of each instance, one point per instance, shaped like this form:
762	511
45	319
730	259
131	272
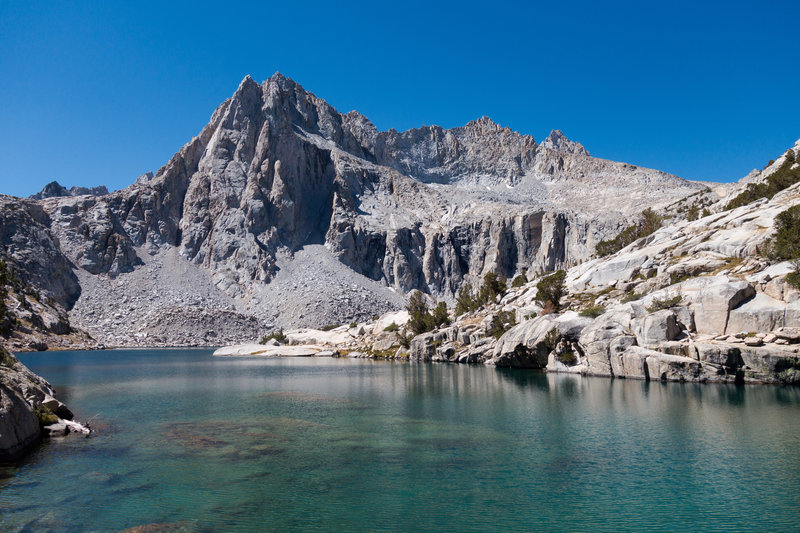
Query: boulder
528	345
759	314
656	328
608	334
629	362
400	318
720	354
19	427
665	367
790	334
713	303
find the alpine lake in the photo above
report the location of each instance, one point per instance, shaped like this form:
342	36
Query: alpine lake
185	441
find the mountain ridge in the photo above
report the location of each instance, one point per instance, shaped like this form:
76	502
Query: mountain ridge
278	170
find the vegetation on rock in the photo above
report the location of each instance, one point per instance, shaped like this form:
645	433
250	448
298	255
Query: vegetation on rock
501	322
593	311
420	319
785	244
277	335
550	289
493	286
666	303
781	179
650	222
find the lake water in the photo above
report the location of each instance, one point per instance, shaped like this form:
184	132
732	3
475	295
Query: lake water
197	443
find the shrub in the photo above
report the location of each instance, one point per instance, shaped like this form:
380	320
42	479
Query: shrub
493	286
649	223
593	311
658	305
519	281
631	296
568	358
419	318
44	415
465	300
785	244
781	179
392	328
501	322
277	335
6	359
329	327
352	325
793	278
440	317
550	340
706	213
550	289
693	213
403	339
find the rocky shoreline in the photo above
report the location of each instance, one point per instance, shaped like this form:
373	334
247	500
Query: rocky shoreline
29	411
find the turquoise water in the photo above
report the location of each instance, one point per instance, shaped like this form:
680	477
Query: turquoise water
196	443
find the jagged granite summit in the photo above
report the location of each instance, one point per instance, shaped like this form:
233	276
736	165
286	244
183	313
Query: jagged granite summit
55	189
283	211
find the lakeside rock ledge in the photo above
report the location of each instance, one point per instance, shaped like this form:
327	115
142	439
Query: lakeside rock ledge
28	410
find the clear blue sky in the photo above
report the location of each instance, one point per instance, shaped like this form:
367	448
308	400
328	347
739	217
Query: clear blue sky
98	94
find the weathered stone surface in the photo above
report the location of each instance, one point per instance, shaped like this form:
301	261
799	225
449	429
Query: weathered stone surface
629	362
20	391
656	328
666	367
714	302
759	314
604	338
527	345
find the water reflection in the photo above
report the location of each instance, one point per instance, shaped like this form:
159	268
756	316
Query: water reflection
305	444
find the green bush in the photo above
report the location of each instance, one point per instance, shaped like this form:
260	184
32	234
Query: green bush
658	305
44	415
352	325
277	335
550	289
419	318
568	358
392	327
631	296
493	286
649	223
6	359
785	244
439	317
329	327
501	322
593	311
693	213
465	300
403	339
793	278
519	281
781	179
550	340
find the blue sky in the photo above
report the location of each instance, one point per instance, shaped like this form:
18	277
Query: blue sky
98	94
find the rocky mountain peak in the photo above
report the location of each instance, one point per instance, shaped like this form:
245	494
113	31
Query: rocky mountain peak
560	143
55	189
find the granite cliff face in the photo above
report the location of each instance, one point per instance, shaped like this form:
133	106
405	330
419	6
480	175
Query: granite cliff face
278	172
